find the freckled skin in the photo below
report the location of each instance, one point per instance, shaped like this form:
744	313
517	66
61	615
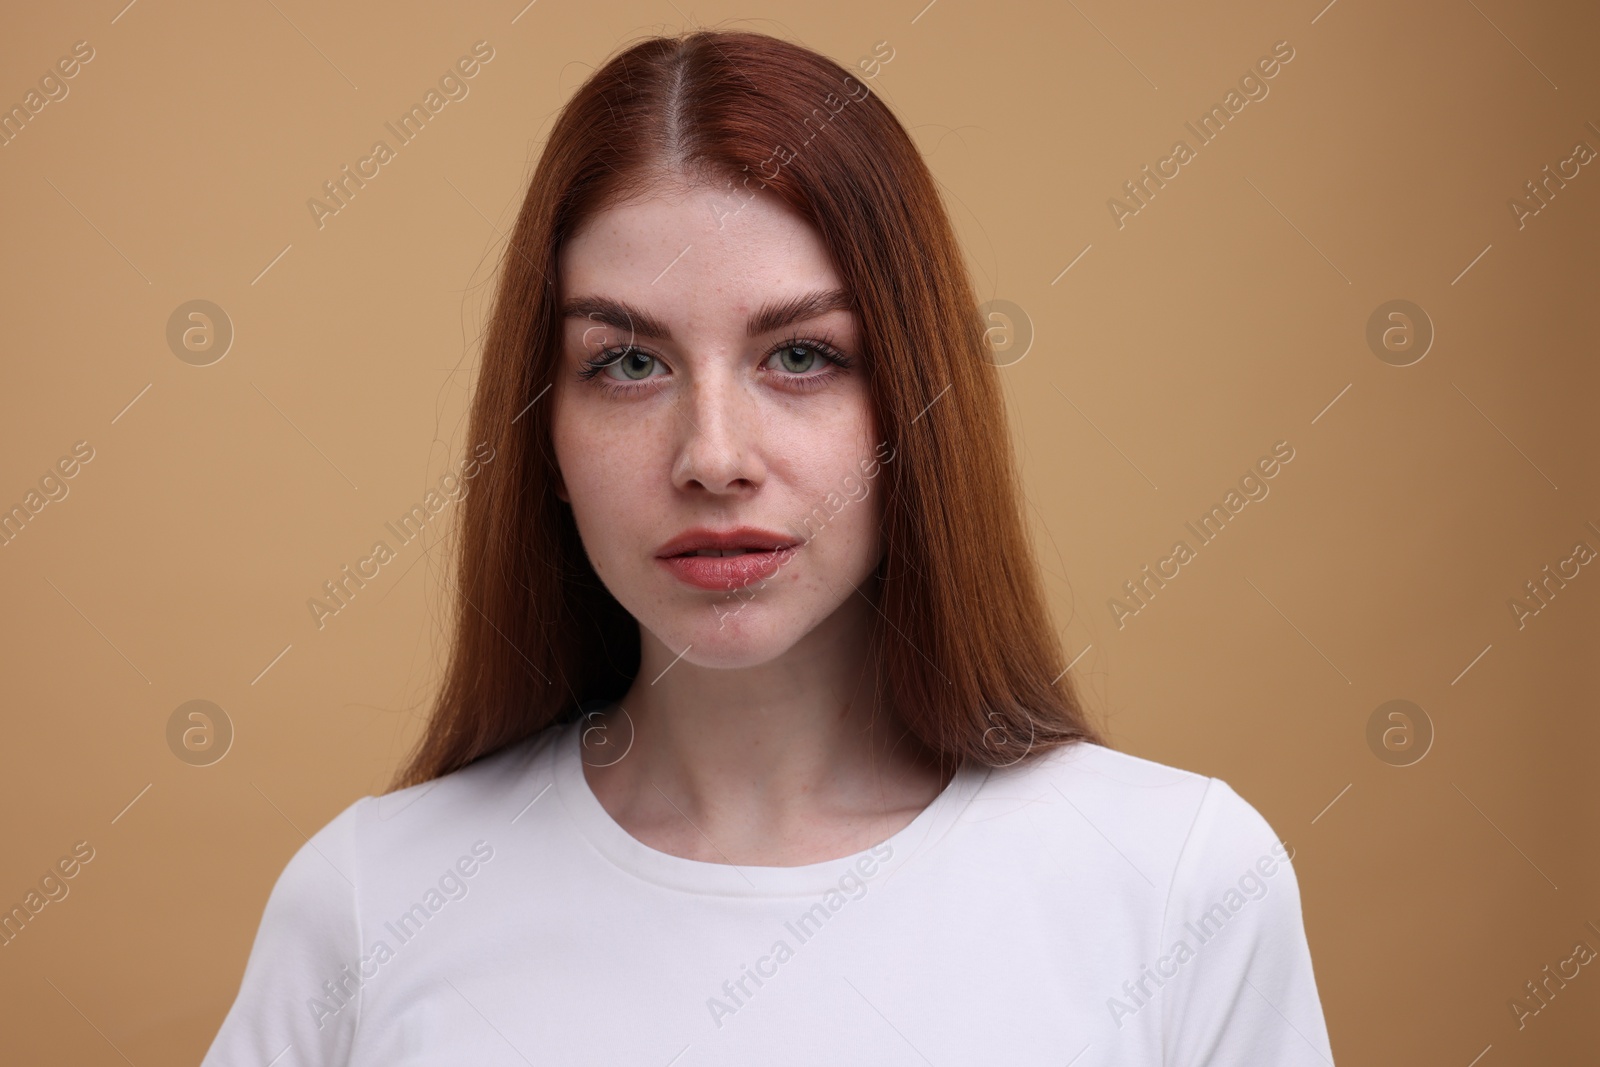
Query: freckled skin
753	732
713	435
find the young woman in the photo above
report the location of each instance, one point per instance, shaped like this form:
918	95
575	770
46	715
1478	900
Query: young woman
756	744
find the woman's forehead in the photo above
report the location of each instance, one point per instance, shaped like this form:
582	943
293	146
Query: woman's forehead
700	233
646	265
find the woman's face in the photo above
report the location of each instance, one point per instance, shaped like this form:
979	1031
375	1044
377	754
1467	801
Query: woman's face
723	412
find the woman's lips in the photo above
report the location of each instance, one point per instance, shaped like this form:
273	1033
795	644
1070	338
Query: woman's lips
723	573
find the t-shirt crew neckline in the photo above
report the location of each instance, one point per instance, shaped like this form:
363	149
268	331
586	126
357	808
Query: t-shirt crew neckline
627	852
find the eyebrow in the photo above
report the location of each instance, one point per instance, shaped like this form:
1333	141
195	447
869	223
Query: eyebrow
772	316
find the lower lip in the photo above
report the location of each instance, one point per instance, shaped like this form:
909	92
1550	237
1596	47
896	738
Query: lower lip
723	573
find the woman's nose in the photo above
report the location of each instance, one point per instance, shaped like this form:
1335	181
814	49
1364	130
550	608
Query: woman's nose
719	434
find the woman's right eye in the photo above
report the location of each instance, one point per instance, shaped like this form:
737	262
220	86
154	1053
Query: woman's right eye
635	365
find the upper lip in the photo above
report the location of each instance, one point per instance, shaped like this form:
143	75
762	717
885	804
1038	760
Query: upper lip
738	537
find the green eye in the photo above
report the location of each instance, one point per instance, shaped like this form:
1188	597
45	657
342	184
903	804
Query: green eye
806	353
635	361
796	359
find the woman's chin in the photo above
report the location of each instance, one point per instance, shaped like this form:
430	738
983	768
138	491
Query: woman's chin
730	638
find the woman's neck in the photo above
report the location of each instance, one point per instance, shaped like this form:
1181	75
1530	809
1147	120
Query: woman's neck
787	763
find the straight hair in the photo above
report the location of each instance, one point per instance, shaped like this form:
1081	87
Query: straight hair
965	652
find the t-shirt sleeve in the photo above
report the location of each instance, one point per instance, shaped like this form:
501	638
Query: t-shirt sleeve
299	999
1243	992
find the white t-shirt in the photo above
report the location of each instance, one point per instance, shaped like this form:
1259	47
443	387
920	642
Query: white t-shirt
1082	907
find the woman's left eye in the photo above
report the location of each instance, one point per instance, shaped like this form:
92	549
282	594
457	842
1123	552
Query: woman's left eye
803	353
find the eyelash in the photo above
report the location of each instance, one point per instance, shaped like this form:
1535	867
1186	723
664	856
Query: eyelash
823	346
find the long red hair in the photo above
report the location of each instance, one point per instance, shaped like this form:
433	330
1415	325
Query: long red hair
966	653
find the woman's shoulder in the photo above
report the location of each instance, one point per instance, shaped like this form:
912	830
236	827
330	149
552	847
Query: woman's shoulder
483	793
1095	777
407	852
1170	822
482	783
395	829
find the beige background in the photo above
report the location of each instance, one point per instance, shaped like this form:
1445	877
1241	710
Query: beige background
1229	314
